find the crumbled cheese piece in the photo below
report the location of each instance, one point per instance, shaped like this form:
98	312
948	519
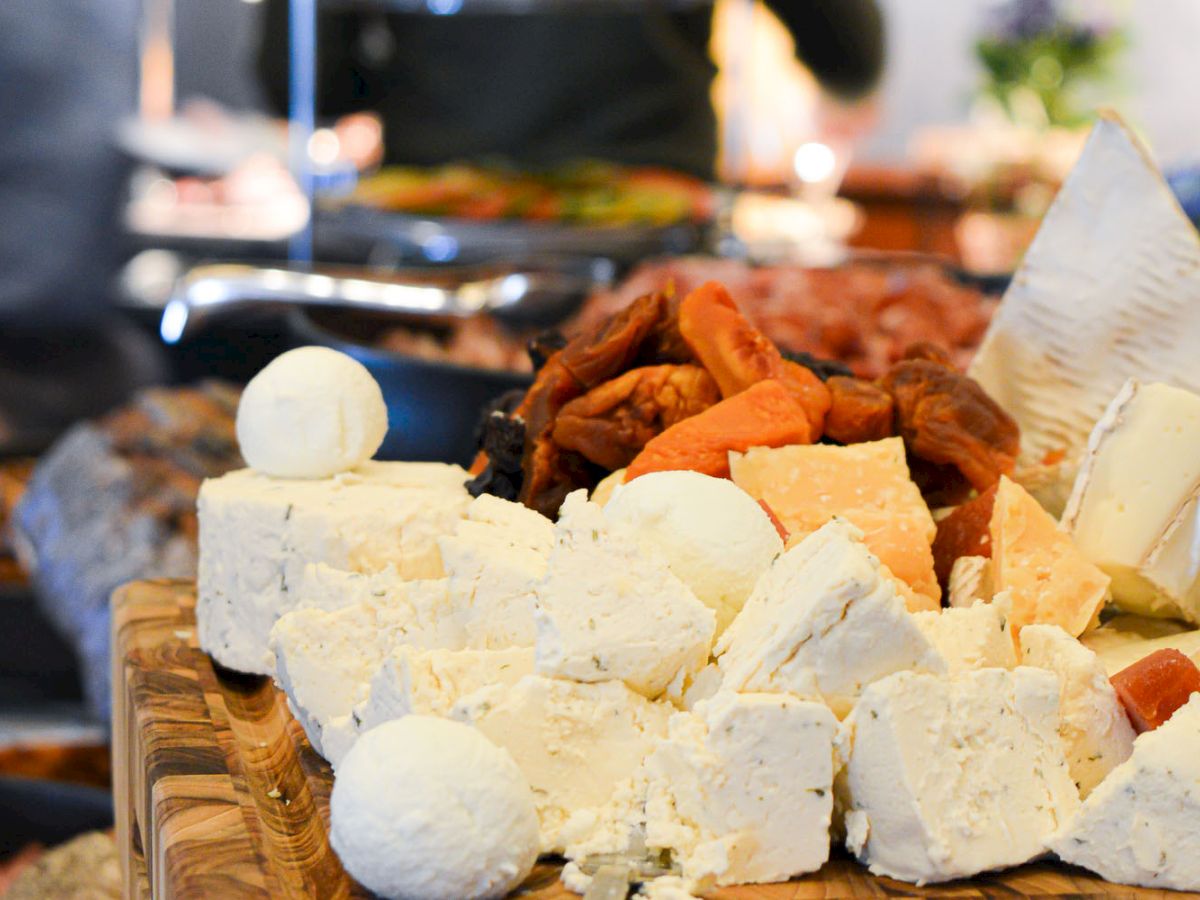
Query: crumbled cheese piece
823	622
258	533
1094	728
975	637
949	777
970	580
576	743
1142	824
742	788
609	609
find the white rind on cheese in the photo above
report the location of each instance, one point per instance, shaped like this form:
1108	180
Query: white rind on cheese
1095	731
974	637
741	790
258	533
970	580
1133	511
1108	290
1141	826
492	560
949	777
823	622
429	682
575	743
611	609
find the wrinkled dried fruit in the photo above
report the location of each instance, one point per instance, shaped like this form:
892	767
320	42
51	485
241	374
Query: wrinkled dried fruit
766	414
965	532
822	368
1154	687
929	352
611	423
738	355
947	418
858	412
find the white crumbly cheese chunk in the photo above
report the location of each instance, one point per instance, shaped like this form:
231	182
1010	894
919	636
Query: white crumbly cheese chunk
1095	731
1142	824
610	609
741	791
1134	510
325	658
970	580
823	622
576	743
430	682
1123	640
949	777
975	637
1108	290
257	534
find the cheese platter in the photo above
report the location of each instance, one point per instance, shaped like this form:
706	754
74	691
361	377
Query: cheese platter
701	619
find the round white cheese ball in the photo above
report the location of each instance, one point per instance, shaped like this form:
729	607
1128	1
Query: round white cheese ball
429	808
714	536
311	413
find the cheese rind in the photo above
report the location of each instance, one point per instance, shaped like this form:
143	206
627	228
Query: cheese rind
1036	562
867	484
1133	510
1142	824
823	622
1095	731
429	682
611	609
741	790
970	581
949	777
974	637
258	533
1109	289
574	742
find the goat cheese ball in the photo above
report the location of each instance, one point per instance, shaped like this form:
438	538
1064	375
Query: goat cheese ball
714	536
311	413
429	809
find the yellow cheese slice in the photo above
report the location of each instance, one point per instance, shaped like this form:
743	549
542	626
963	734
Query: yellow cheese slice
867	484
1049	580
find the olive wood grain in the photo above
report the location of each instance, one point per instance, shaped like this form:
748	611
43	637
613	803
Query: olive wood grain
218	793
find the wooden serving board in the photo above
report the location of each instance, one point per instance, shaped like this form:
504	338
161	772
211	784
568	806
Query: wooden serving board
219	795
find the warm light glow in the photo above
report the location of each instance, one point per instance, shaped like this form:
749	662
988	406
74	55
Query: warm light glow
324	147
814	162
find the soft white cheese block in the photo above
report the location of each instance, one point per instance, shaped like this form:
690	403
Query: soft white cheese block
493	559
430	682
823	622
1133	511
576	743
741	790
1095	731
325	658
949	777
1142	824
970	581
1108	290
974	637
258	533
610	608
1123	640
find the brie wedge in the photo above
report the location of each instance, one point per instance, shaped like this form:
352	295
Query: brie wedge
1133	511
1109	290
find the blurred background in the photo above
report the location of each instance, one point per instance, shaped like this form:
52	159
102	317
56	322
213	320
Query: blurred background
190	187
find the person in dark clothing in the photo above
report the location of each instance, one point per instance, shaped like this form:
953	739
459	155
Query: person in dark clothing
627	86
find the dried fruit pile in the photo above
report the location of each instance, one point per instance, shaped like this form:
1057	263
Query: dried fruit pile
673	382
